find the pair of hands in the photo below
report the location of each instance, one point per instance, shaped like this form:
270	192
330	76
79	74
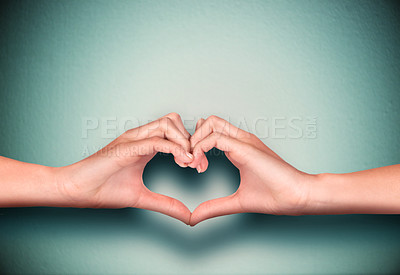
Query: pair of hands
112	177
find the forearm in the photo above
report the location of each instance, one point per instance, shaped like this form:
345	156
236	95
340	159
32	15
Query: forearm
374	191
25	184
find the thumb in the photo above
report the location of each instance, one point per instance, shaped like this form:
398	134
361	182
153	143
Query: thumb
215	208
163	204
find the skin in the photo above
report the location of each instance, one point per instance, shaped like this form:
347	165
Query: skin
112	177
272	186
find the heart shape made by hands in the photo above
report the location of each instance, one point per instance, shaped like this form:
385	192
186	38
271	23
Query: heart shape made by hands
185	184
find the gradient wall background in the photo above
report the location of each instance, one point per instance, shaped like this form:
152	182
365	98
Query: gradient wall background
61	61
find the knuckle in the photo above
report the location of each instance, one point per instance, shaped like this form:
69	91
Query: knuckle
217	123
164	120
213	118
163	123
174	115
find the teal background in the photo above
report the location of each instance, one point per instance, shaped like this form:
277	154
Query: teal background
61	61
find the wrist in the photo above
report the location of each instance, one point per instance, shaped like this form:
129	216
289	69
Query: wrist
316	197
49	191
300	199
305	200
69	188
330	194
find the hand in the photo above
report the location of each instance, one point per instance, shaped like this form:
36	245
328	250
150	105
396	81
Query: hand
112	177
268	184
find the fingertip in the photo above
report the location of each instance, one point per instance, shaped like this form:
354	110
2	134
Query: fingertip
181	213
183	156
183	165
186	220
215	208
204	164
190	220
201	163
197	216
195	220
196	160
189	156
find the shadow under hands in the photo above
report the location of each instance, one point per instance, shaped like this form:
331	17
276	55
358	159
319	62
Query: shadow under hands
97	223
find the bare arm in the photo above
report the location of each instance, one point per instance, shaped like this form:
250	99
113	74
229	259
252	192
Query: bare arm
270	185
110	178
374	191
26	184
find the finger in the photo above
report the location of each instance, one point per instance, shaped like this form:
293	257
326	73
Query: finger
157	144
179	123
214	124
168	129
176	118
203	162
199	123
171	127
215	208
149	147
181	164
164	127
165	205
239	152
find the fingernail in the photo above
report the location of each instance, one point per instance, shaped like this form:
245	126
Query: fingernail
198	169
183	165
189	155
